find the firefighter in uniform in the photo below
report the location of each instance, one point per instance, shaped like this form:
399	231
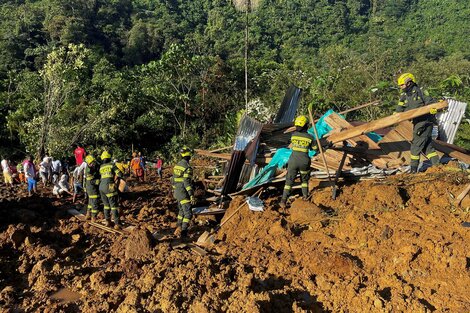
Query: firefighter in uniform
183	191
412	97
92	182
108	189
299	161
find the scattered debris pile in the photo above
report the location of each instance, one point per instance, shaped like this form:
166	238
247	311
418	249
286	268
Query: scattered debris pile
393	245
356	150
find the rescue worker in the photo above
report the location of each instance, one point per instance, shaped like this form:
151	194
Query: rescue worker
92	182
412	97
183	191
108	189
299	160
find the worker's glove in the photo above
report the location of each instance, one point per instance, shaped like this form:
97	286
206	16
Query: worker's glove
112	187
433	111
193	200
97	182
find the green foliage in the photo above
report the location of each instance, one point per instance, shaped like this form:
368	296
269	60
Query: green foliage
157	74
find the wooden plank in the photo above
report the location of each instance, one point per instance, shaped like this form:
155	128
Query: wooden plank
396	146
374	153
462	195
221	149
224	156
385	122
452	152
82	218
452	146
405	129
335	121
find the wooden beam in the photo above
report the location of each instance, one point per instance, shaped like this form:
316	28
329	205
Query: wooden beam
385	122
221	149
224	156
462	195
452	151
292	128
451	146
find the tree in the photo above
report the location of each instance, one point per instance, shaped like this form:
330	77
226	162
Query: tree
61	78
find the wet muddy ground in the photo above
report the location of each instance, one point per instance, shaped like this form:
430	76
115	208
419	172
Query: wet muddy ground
392	245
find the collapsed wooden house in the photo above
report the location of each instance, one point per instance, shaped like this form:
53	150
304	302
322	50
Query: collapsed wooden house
257	143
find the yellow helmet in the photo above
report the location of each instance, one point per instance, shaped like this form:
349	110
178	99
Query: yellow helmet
186	151
300	121
404	78
89	159
105	155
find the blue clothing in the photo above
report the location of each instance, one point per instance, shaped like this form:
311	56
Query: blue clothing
31	184
77	187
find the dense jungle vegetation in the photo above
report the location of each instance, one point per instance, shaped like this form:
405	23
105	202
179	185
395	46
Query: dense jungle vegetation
158	73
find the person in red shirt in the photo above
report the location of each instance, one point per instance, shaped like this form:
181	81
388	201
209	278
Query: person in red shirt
159	166
79	154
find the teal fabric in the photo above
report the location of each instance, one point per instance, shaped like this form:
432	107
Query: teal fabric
282	155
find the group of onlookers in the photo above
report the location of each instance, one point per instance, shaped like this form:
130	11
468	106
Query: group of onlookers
55	172
50	171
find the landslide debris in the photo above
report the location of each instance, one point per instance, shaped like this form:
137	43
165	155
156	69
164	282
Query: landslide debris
392	245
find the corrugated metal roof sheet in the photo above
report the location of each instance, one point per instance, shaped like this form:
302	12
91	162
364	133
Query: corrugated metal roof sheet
245	147
449	120
288	109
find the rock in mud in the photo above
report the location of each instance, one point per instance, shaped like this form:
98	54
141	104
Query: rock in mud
139	245
18	236
304	212
7	295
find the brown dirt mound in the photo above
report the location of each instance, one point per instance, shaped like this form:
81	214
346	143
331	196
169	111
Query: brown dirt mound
305	212
139	244
393	245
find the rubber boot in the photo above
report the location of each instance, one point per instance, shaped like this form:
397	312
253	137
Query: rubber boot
107	214
108	223
115	215
413	169
184	229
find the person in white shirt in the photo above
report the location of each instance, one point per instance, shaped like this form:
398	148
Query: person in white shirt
7	175
45	170
62	186
56	168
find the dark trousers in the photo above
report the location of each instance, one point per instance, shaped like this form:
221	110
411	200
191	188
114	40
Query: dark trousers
422	143
110	201
294	166
184	208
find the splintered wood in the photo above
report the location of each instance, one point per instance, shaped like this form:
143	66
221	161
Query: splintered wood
391	151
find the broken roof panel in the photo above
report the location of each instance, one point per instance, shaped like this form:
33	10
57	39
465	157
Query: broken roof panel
245	147
449	120
288	109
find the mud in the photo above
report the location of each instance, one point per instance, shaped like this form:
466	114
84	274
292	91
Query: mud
393	245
